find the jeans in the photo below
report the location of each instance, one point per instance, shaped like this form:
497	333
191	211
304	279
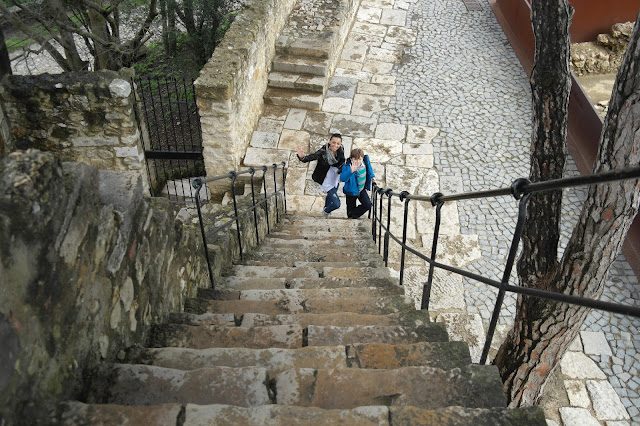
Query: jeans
332	201
365	204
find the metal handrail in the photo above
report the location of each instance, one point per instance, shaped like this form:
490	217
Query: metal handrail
521	190
199	182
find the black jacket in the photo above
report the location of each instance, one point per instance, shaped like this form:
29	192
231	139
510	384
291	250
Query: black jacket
323	167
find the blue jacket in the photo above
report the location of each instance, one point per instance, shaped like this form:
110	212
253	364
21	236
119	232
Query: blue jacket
350	180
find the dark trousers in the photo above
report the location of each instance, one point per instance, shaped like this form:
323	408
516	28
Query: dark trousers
365	204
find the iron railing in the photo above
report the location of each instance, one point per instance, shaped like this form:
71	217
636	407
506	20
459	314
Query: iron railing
521	190
199	183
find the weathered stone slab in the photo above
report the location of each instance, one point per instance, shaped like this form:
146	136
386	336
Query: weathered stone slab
455	250
377	89
213	336
606	402
317	122
354	52
291	139
576	365
577	417
78	413
336	319
421	134
393	17
444	355
365	38
367	105
369	14
269	125
463	327
295	118
264	139
449	219
400	35
389	131
467	416
477	386
259	156
285	415
378	150
342	87
369	28
295	181
424	161
352	125
272	272
275	112
595	343
354	73
392	335
447	288
134	384
377	66
337	105
417	149
577	393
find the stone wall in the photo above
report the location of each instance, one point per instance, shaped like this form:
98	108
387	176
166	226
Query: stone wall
87	265
86	117
231	85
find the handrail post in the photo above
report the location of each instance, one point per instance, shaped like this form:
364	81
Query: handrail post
275	191
197	184
403	197
234	175
426	288
380	226
375	211
253	204
386	234
522	214
266	197
284	186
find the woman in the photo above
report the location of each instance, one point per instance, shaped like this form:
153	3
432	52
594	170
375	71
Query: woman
330	155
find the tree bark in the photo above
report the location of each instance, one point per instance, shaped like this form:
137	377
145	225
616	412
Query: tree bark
543	330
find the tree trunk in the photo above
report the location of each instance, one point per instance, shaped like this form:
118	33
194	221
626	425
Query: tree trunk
543	330
5	62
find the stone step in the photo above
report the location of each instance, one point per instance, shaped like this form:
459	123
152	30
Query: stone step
136	384
78	413
301	82
340	319
300	64
444	355
275	360
290	336
317	46
475	386
243	283
250	271
361	305
300	293
293	98
309	256
391	335
284	244
214	336
319	221
321	235
373	262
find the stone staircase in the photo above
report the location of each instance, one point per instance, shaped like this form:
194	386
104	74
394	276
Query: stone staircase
307	52
310	328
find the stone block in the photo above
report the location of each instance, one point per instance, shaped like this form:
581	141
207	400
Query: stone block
391	131
257	157
337	105
269	125
417	149
354	126
393	17
317	122
377	89
369	14
577	393
400	35
606	402
291	139
577	417
295	119
421	134
595	343
576	365
378	150
261	139
377	67
367	105
369	28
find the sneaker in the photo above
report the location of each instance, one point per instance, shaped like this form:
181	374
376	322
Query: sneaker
325	214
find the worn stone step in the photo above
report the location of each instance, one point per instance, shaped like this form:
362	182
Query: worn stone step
295	81
318	46
244	283
337	245
310	256
293	98
78	413
274	360
136	384
474	386
215	336
361	305
249	271
392	335
341	319
300	64
443	355
296	295
373	262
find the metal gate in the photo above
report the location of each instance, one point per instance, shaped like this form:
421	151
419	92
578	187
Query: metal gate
169	123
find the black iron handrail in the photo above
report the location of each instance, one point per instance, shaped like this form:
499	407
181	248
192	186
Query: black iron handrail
521	190
198	183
